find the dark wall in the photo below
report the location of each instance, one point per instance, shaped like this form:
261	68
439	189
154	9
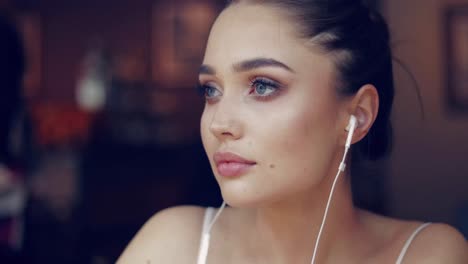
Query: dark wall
70	27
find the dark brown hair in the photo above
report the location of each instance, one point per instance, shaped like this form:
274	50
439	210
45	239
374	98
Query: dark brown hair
357	39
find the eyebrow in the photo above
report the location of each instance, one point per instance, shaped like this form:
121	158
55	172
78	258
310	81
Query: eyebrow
259	63
206	69
248	65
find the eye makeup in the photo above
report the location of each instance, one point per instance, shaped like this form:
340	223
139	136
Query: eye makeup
263	88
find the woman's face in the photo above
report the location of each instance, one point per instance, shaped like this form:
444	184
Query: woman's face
271	102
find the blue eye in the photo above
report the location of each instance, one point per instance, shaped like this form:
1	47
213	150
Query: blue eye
263	87
208	91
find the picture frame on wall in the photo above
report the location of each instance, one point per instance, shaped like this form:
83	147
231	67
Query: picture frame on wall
456	50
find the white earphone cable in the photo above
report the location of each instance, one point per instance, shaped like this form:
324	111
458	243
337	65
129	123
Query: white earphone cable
220	210
351	127
341	169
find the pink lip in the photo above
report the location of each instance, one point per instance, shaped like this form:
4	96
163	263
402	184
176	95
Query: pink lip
231	165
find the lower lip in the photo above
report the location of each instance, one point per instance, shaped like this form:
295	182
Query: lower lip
233	169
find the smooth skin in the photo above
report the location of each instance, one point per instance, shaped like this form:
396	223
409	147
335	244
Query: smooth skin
271	98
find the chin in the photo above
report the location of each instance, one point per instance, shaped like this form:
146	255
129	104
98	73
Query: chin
240	195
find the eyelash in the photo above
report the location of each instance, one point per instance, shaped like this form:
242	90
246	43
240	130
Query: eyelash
202	90
269	83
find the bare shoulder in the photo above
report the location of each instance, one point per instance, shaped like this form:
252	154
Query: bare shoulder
438	243
170	236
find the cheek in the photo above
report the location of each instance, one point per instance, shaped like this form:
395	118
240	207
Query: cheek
206	136
300	142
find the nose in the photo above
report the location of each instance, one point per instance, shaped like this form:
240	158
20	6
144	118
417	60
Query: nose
226	122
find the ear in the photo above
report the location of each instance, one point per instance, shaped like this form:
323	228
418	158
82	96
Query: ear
365	106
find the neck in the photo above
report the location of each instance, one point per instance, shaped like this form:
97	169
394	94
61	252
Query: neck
287	230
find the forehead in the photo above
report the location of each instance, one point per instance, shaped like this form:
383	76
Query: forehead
245	31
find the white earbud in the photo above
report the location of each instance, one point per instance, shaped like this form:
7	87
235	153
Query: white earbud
350	128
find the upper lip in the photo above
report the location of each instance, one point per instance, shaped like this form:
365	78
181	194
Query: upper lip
224	157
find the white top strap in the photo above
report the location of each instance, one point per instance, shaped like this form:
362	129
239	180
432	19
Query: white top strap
205	236
408	242
209	213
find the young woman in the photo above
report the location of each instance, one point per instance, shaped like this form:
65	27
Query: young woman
282	80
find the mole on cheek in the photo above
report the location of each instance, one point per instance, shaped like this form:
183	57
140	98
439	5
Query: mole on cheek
272	166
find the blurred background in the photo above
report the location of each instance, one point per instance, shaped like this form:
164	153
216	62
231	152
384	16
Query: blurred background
104	129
